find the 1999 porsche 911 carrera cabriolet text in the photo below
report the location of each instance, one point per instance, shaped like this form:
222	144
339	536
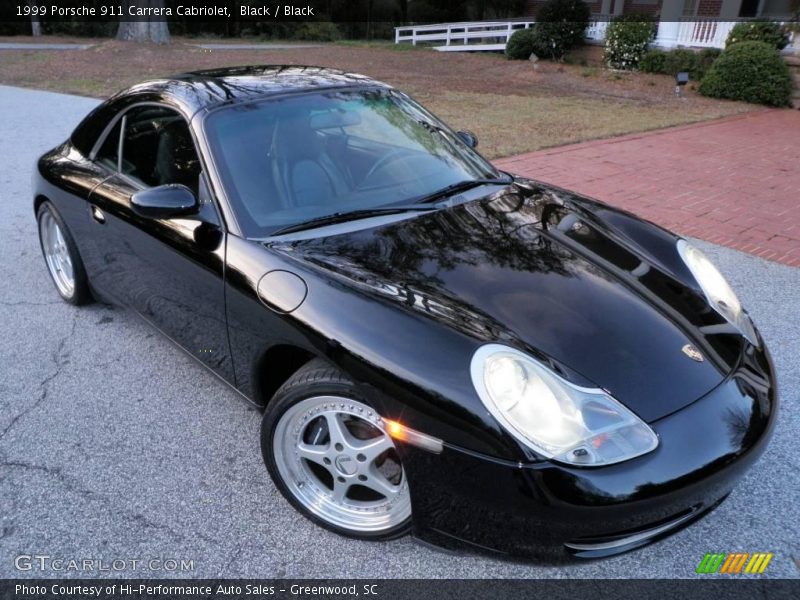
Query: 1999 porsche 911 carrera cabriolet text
439	347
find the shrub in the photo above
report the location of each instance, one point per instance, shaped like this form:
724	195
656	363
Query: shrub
752	72
680	60
520	45
553	40
653	61
675	61
627	39
705	58
758	31
560	26
317	31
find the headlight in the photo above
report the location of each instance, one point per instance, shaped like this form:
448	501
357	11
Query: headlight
717	291
561	421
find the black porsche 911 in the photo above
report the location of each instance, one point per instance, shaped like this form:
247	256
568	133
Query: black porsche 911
439	347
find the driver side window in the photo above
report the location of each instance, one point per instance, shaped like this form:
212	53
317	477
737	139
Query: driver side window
156	149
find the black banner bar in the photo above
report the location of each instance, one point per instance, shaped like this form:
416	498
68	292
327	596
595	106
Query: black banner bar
305	589
242	11
232	11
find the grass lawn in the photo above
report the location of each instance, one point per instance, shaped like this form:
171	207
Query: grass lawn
512	106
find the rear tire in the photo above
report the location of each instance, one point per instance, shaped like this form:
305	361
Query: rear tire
61	256
328	453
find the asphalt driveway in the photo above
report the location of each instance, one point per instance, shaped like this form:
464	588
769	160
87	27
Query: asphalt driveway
115	445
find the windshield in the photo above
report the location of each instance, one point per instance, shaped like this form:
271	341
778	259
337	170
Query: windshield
288	160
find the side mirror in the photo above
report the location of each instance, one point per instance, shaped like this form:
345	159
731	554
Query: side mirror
469	138
164	201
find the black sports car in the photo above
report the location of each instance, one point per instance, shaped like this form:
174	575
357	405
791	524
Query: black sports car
439	347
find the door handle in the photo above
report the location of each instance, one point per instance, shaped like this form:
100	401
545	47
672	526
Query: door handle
98	215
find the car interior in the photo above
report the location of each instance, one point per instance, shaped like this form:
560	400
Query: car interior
285	162
292	164
157	148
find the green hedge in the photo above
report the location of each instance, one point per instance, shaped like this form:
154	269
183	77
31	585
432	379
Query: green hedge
317	31
759	31
705	58
627	39
520	45
752	72
560	26
673	62
653	61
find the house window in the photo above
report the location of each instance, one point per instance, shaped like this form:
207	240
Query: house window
690	8
749	8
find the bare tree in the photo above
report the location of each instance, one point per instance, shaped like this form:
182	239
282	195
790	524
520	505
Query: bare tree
145	28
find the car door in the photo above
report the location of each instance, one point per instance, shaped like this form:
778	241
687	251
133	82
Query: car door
171	271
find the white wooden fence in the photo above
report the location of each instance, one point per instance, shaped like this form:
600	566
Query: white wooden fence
475	35
493	35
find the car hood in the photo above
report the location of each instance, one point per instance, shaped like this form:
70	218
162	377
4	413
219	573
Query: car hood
536	267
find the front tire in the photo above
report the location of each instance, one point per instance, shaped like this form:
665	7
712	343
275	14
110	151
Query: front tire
61	256
329	454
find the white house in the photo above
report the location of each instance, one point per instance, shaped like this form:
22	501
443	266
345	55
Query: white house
690	23
681	23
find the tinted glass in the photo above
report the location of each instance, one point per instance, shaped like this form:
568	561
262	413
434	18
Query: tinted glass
89	130
108	154
158	148
288	160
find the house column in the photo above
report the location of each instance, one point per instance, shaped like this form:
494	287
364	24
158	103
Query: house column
609	7
730	9
669	24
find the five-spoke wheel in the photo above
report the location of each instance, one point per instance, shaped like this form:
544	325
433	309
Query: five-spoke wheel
61	256
56	254
331	456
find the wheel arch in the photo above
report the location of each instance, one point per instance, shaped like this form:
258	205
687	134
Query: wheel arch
276	365
38	200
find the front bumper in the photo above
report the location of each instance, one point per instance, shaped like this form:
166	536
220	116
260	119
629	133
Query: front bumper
552	512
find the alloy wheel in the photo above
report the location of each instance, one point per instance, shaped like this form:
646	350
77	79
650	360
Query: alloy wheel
336	458
56	254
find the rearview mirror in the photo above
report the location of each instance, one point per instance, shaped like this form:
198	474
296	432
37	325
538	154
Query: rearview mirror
164	201
469	138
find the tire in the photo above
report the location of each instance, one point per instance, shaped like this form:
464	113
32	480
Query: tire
61	256
356	488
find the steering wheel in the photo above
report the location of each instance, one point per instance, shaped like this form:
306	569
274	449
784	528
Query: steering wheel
382	162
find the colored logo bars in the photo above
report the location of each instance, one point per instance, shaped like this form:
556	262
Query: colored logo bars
735	563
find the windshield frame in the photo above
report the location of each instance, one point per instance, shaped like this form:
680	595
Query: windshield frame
211	144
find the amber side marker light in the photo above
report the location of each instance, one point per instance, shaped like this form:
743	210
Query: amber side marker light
401	433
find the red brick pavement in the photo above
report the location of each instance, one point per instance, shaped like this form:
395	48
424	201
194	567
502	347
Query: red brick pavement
734	181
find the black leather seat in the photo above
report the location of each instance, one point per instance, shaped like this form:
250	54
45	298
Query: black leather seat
176	157
302	169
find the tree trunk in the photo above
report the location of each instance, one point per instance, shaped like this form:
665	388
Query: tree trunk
148	29
36	26
403	11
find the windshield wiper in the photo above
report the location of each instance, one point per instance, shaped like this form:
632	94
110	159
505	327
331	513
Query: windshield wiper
461	186
350	215
423	203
